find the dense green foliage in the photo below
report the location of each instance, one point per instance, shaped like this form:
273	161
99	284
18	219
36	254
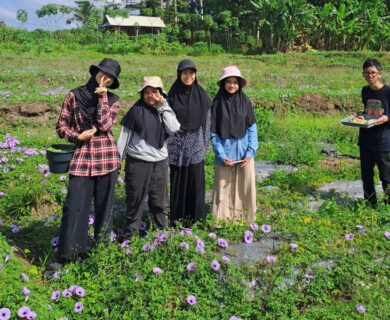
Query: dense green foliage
197	27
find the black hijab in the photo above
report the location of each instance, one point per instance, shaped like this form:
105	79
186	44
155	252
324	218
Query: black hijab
87	101
190	103
232	114
146	122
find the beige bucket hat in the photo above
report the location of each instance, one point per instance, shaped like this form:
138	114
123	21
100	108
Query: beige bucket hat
154	82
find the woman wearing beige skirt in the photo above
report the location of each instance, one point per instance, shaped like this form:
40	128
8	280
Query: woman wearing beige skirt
234	140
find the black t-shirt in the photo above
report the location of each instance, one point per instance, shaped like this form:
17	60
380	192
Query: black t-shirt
376	138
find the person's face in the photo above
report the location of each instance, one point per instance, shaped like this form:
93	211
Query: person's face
232	85
104	79
188	76
150	95
372	75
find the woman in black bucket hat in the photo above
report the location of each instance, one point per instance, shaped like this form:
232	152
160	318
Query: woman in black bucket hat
86	118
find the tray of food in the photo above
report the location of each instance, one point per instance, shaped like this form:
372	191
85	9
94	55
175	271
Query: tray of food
361	120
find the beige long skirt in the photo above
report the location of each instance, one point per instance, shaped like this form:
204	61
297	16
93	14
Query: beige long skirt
234	196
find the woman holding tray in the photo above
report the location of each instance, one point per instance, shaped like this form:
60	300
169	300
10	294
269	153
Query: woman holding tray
234	140
374	142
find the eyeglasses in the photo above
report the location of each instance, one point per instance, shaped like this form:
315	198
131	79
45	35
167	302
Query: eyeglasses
366	73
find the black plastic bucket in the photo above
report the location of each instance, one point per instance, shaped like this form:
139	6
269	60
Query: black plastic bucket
59	156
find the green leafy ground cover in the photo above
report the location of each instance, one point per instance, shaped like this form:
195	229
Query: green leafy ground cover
342	258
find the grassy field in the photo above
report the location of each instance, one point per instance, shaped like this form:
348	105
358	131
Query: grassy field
330	275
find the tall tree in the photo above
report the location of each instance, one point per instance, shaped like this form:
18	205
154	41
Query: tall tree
22	16
53	12
82	12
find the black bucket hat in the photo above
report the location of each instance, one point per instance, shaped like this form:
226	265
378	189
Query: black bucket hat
110	67
185	64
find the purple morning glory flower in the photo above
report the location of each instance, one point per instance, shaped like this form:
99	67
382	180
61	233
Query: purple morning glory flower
387	235
32	152
5	169
184	245
2	194
57	275
248	236
349	236
266	228
24	277
80	291
3	159
15	228
212	235
186	232
225	259
5	314
120	179
31	315
157	270
215	265
72	288
191	300
293	246
23	311
360	309
66	293
62	178
360	228
235	318
26	292
91	219
55	295
161	237
222	243
254	226
142	226
63	318
146	247
271	259
78	307
199	243
200	250
125	244
191	266
43	168
54	242
112	236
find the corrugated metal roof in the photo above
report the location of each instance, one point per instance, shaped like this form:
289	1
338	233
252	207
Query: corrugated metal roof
133	21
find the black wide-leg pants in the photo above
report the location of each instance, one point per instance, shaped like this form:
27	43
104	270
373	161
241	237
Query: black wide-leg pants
73	238
368	160
145	179
187	197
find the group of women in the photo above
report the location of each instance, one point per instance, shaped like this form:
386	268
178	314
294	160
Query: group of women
162	135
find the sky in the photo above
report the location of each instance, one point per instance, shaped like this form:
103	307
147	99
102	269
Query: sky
8	10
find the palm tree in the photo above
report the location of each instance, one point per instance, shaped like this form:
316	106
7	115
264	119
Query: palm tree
82	12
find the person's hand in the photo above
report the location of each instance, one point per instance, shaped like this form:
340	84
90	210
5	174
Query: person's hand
245	162
87	134
382	119
228	162
102	89
159	98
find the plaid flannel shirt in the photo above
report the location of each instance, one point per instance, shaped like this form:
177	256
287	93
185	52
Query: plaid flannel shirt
99	155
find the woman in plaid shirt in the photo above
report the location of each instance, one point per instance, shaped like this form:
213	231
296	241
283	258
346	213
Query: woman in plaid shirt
86	118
